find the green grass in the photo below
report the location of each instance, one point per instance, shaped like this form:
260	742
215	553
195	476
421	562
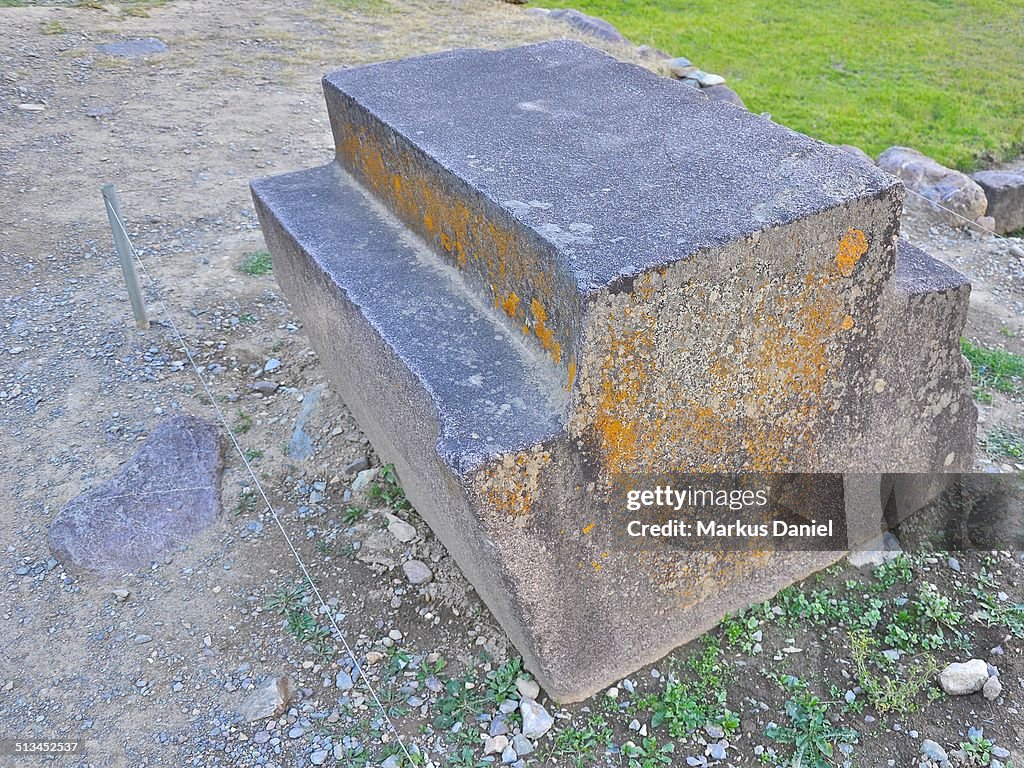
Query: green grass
1003	443
942	76
256	263
994	368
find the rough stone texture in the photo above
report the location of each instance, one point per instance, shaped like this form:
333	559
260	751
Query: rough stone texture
1005	193
568	277
856	152
960	679
939	185
269	699
166	493
992	689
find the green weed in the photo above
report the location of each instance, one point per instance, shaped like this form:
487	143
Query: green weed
994	368
811	734
881	682
257	263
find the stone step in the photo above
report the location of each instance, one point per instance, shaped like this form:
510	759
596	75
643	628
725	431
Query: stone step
554	176
387	299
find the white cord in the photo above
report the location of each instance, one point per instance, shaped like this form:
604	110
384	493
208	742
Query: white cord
256	482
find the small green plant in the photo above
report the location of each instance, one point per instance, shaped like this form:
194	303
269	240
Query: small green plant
923	623
257	263
1001	442
897	571
579	743
885	688
466	758
740	630
689	704
353	513
246	502
982	395
811	734
460	702
648	754
996	613
386	491
290	602
253	454
994	368
53	27
977	748
243	423
287	599
501	682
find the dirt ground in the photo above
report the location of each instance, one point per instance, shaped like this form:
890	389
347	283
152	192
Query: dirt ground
157	678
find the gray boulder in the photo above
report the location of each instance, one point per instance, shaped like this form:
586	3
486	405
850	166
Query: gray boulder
723	93
949	196
1005	193
589	25
165	494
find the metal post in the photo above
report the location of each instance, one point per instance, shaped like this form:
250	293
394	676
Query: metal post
124	255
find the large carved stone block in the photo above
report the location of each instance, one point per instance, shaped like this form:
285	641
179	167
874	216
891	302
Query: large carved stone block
541	278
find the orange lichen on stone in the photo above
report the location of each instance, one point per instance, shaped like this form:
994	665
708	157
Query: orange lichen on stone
542	332
511	484
588	528
572	375
851	248
762	395
510	303
470	238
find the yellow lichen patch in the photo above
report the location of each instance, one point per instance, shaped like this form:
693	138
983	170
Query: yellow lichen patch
847	323
763	392
851	248
511	484
542	332
510	303
572	375
475	241
588	528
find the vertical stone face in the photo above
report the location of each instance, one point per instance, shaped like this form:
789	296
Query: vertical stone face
542	278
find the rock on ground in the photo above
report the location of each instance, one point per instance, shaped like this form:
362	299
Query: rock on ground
536	720
723	93
992	688
166	493
590	25
939	185
269	699
1005	193
417	572
959	679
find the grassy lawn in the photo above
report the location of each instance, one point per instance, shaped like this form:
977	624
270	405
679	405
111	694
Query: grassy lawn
943	76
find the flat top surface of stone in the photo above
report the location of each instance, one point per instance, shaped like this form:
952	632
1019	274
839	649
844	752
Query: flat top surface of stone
917	272
492	392
622	169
